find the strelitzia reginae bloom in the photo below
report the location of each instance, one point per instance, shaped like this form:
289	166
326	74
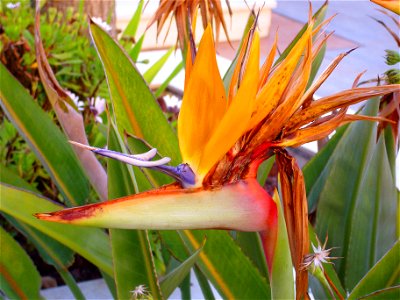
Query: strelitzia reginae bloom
224	135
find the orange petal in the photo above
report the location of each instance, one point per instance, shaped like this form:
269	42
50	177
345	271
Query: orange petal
204	103
266	68
235	122
291	99
244	206
393	5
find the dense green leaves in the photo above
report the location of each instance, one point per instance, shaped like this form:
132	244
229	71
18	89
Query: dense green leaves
44	138
19	277
356	198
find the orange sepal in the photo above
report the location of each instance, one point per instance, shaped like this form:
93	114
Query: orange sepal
204	103
235	122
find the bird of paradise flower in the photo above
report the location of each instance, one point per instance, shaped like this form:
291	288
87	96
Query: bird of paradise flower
224	136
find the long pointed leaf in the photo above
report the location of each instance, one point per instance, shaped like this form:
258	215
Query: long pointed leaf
133	24
282	279
157	66
175	277
385	273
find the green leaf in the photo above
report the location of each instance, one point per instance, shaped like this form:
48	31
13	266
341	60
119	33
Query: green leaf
135	50
44	138
282	279
173	279
373	216
135	107
52	252
384	274
10	177
356	200
90	243
222	261
157	66
314	170
19	277
133	24
251	245
204	284
133	261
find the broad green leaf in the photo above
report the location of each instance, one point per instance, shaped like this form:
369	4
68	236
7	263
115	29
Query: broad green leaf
133	24
171	281
44	138
282	278
50	250
314	170
230	271
133	262
356	200
90	243
375	212
135	107
251	245
157	66
19	277
384	274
